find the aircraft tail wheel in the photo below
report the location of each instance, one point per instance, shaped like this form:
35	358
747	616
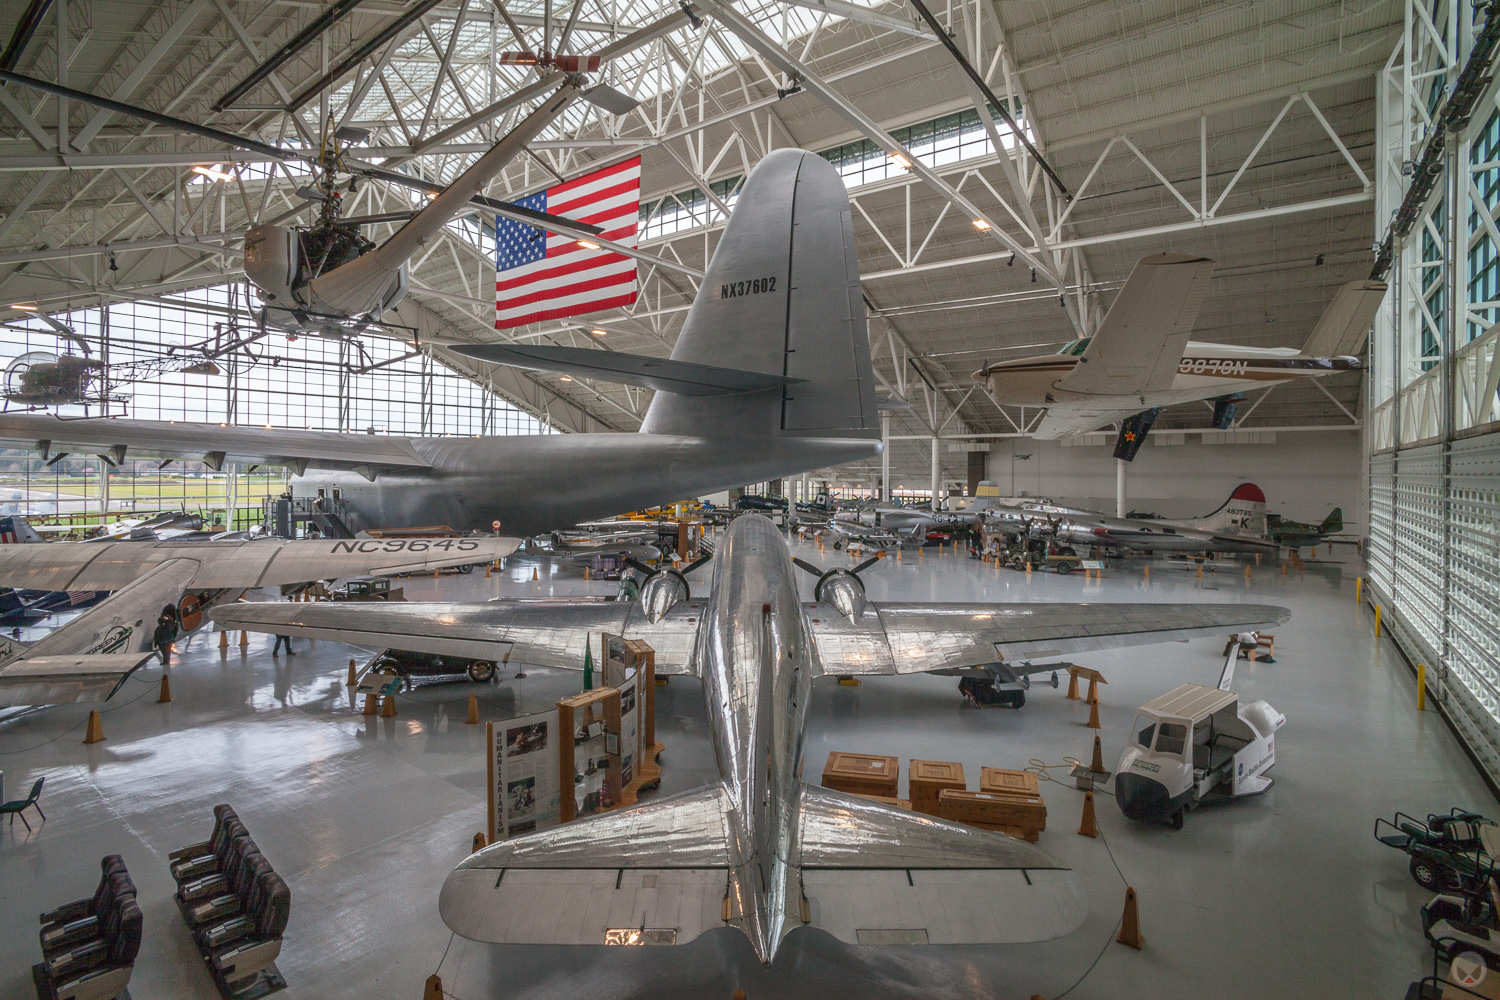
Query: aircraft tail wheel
1177	819
1054	680
190	613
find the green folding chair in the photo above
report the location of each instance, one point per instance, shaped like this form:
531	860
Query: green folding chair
15	808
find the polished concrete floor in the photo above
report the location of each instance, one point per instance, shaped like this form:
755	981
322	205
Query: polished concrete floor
1286	895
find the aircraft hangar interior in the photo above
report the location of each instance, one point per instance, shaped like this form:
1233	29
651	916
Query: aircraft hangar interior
744	499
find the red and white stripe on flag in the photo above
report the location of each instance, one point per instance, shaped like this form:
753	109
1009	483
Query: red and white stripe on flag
534	283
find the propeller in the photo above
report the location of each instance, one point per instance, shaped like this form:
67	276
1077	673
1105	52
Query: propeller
840	587
664	587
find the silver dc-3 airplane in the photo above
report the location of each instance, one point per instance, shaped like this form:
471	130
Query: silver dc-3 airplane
759	386
88	658
1140	359
758	850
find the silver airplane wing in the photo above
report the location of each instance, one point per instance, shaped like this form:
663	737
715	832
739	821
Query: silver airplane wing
92	655
1066	419
237	564
917	638
545	633
210	443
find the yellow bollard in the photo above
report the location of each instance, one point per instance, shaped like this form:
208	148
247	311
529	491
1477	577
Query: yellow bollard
1359	586
1028	567
1200	571
1146	572
1421	687
472	718
434	574
486	571
166	690
1247	571
1377	621
587	575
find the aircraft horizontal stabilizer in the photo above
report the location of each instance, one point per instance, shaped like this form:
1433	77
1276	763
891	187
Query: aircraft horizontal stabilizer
680	377
661	866
874	874
1344	324
61	680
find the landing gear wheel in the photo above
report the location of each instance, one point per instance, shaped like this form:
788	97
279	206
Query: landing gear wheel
1430	875
1016	699
837	546
466	568
1064	568
481	671
1177	819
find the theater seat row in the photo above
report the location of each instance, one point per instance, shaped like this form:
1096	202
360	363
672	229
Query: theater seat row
89	945
235	904
231	899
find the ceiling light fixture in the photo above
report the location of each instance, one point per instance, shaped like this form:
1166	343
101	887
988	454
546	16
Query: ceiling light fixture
30	307
566	378
598	332
901	161
982	224
587	245
212	172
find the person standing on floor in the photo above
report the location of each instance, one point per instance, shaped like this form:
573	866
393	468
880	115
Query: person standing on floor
276	649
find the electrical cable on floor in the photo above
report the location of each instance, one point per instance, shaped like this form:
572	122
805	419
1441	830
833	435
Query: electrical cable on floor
1039	767
81	722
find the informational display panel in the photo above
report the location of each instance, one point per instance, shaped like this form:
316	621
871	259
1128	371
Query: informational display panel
630	728
524	793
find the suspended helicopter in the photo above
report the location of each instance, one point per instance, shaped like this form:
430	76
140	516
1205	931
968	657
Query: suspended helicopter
328	278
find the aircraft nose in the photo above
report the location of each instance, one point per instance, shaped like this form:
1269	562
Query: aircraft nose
1142	799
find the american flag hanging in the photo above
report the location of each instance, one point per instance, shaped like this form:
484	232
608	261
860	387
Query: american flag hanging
541	275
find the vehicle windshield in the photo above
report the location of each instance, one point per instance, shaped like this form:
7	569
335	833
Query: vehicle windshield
1145	730
1076	347
1171	738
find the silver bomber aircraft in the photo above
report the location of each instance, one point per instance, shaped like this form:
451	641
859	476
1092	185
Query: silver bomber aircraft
760	385
88	658
759	850
1140	358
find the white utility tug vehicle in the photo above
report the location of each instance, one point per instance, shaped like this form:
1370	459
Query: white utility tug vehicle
1193	743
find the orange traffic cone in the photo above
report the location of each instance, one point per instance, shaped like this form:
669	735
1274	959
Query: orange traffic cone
1130	923
473	717
434	988
1088	828
480	843
223	640
1097	764
244	638
95	731
166	690
1094	714
369	704
1072	686
350	681
534	577
388	707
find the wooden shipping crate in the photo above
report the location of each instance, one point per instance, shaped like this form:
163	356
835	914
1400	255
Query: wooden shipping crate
927	778
862	774
998	779
993	811
885	800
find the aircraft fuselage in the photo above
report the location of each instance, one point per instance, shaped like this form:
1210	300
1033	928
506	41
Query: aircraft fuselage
1205	371
757	678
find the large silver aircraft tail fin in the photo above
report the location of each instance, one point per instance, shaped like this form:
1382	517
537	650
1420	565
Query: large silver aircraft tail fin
1343	326
1243	513
781	297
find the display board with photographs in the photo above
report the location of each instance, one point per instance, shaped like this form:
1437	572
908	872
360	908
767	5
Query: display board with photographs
524	793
